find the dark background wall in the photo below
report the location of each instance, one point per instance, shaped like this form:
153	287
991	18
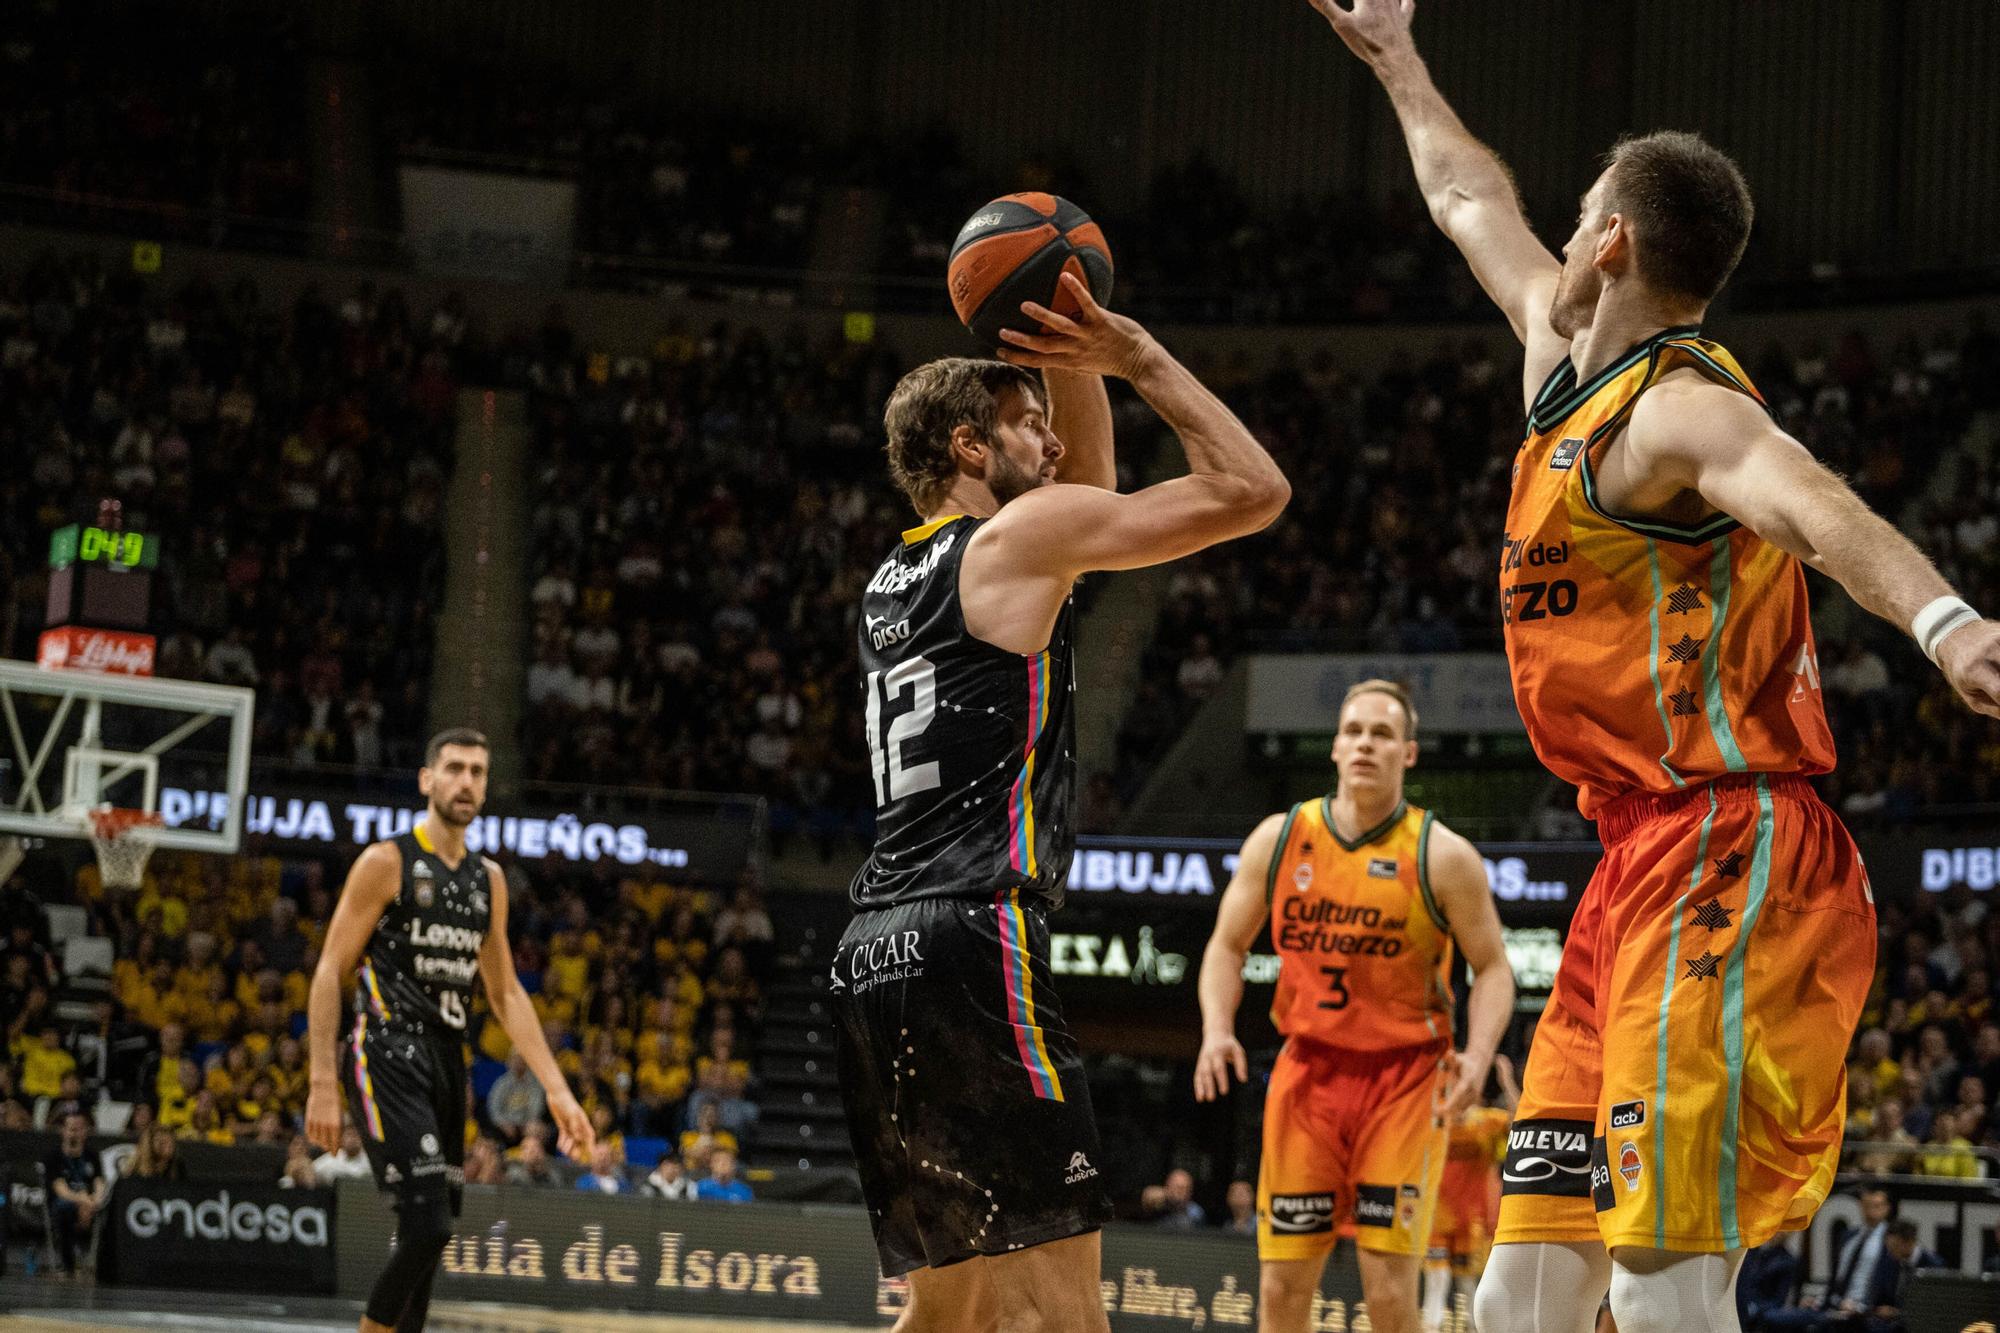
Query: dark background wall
1870	129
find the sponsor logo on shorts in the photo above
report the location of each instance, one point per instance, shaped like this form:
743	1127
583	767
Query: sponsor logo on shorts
1375	1206
1301	1214
1628	1115
1602	1197
1080	1169
1382	867
1548	1157
1629	1165
896	956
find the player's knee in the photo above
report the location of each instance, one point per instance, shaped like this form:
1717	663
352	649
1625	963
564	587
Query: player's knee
423	1226
1287	1284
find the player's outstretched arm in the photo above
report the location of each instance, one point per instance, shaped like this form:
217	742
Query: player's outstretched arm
1237	920
371	886
1469	191
1705	437
516	1012
1465	896
1232	488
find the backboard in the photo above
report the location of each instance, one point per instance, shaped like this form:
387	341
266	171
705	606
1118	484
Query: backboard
72	741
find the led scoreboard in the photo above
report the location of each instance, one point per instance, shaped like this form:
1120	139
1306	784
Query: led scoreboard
100	596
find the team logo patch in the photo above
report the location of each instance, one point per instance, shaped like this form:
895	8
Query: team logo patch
1080	1169
429	1144
1301	1214
1382	867
1406	1211
1564	458
1628	1115
1302	878
1375	1206
1549	1157
1629	1165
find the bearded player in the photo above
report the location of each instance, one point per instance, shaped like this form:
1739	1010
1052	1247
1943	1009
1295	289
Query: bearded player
1684	1095
421	916
965	1093
1365	894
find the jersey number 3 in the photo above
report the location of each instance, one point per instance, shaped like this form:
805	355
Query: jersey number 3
893	781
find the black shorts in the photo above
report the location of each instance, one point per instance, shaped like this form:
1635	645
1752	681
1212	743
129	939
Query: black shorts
406	1092
965	1093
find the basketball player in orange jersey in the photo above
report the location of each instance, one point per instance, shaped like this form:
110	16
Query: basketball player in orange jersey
1365	894
1684	1095
1468	1199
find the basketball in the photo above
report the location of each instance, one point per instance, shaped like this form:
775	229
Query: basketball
1015	249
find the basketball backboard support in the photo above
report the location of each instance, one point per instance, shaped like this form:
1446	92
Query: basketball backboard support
74	741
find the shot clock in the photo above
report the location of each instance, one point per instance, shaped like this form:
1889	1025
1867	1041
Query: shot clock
100	596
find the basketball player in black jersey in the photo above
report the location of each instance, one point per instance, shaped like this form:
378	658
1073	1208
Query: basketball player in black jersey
419	918
965	1093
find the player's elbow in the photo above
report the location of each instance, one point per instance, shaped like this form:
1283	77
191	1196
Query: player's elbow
1260	499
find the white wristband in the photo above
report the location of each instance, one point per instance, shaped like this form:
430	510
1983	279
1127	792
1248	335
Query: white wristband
1935	623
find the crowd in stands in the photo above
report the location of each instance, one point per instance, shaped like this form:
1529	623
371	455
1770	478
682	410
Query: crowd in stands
649	995
177	122
292	461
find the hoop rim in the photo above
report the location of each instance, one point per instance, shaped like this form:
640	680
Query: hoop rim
109	823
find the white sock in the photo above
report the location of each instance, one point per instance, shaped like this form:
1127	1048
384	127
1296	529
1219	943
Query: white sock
1542	1288
1666	1291
1437	1294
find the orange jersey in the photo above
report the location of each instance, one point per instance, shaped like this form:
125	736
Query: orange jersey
1646	656
1365	955
1480	1135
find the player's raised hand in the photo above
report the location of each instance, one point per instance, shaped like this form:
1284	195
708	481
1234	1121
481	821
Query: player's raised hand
573	1132
1371	28
323	1116
1093	341
1970	658
1220	1053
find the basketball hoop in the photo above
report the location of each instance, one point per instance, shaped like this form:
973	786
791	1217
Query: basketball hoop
123	840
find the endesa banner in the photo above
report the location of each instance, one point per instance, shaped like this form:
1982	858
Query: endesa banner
707	841
788	1264
229	1237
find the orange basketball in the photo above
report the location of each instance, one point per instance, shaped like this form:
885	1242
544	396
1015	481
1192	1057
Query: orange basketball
1015	249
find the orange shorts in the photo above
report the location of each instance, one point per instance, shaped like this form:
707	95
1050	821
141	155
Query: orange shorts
1468	1204
1350	1134
1687	1086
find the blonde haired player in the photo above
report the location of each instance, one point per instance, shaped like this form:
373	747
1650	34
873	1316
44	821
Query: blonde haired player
1684	1096
1365	894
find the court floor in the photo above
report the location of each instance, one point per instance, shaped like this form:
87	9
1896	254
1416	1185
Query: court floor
51	1307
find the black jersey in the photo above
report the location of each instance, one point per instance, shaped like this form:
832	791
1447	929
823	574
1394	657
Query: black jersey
972	747
422	960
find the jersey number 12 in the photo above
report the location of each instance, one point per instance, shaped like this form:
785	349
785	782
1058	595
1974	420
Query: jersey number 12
892	780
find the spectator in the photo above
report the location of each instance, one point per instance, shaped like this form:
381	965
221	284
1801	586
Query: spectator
668	1180
159	1156
1242	1200
45	1064
707	1135
483	1164
721	1185
744	922
1887	1129
532	1164
606	1174
1765	1281
1861	1255
298	1172
1179	1211
349	1163
515	1101
77	1188
1947	1151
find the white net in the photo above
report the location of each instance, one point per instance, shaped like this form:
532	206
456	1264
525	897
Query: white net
123	841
